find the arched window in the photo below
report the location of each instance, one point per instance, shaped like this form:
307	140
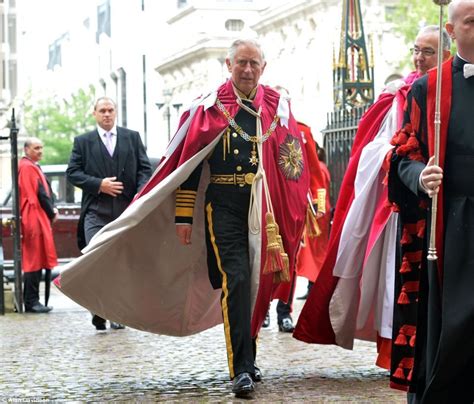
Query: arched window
234	25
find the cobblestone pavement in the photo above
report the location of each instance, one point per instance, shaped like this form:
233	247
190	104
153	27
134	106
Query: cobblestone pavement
60	357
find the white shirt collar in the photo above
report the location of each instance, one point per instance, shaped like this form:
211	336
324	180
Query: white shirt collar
102	131
460	57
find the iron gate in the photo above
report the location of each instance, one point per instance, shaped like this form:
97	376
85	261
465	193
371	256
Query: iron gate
338	138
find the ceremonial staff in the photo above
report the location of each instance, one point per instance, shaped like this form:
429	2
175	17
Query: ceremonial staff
437	125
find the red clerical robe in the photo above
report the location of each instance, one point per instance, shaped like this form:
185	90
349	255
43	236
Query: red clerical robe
37	243
137	273
313	246
353	295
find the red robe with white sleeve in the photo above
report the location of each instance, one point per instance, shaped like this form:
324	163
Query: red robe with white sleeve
353	295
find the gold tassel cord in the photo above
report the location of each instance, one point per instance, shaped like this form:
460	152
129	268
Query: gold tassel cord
284	274
277	261
274	262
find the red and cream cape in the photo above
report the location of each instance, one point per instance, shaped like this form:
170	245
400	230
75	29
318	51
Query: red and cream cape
135	272
313	246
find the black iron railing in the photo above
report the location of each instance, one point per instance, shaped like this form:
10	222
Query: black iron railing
338	137
14	221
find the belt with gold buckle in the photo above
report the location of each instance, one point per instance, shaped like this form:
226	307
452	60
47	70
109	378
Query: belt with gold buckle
233	179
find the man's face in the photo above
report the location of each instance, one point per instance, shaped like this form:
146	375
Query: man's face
34	151
246	68
425	52
105	114
461	28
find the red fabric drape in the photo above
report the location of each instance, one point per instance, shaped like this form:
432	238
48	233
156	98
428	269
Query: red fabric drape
314	325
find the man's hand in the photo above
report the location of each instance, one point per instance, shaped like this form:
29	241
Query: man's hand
431	178
183	231
111	187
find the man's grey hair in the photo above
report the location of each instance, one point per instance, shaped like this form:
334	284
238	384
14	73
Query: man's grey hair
434	29
30	140
252	42
105	98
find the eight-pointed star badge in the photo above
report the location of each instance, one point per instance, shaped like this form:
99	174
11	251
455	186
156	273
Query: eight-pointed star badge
291	158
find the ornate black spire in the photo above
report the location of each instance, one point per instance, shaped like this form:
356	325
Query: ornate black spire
353	73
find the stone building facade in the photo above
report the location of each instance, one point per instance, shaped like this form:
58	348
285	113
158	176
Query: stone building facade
154	57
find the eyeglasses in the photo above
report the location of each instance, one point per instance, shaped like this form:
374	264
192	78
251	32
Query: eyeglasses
424	52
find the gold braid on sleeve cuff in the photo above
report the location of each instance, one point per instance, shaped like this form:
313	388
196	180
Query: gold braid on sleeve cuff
185	200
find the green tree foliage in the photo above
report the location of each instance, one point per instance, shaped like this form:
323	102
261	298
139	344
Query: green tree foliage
57	121
409	16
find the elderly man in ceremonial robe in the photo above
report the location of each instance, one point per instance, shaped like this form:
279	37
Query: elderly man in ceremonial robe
233	185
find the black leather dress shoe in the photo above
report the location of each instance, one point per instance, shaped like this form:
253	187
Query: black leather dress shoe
257	376
99	323
116	326
38	308
286	325
243	385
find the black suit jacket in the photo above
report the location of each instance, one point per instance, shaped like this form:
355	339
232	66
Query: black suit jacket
86	170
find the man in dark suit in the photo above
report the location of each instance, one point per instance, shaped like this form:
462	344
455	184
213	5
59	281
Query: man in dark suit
110	165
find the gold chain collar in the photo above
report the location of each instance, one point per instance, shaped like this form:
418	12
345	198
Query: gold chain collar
241	132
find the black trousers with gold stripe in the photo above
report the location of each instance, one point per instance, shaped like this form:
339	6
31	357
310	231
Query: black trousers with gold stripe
229	269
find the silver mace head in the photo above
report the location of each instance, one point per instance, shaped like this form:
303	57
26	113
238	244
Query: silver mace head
442	2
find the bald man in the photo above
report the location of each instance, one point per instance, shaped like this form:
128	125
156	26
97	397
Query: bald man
37	214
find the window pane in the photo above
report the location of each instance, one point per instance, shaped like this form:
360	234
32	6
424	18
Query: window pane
57	189
234	25
103	20
12	32
2	28
12	76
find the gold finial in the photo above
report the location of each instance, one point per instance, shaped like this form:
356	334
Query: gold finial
362	58
341	63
